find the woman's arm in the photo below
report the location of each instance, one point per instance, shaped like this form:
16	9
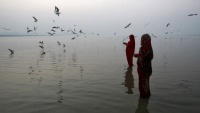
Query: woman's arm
124	43
135	55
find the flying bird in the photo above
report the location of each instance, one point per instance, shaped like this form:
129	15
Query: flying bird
11	51
192	14
73	38
64	45
73	32
35	19
81	32
41	42
28	30
168	24
51	33
35	28
57	11
53	30
41	46
127	25
58	43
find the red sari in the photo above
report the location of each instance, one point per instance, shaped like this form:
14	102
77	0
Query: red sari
130	49
144	65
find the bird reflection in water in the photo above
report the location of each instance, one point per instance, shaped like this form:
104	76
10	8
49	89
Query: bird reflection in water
142	105
129	81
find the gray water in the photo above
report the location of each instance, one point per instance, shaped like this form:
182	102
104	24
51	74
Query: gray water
89	75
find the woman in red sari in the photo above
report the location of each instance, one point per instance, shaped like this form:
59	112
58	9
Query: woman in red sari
144	69
130	49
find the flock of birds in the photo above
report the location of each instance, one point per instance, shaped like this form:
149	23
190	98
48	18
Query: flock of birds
55	28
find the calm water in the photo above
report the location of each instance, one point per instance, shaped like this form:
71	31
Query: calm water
90	75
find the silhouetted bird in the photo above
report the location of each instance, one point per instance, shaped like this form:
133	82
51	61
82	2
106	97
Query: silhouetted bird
35	19
51	33
64	45
73	32
41	46
58	43
73	38
54	27
192	14
41	42
53	30
168	24
57	11
28	30
127	25
11	51
35	28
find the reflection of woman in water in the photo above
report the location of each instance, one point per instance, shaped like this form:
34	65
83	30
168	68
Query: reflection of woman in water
129	81
144	65
142	106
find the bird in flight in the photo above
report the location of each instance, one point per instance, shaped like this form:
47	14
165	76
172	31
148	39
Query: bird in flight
41	46
127	25
35	28
73	38
28	30
11	51
57	11
192	14
41	42
35	19
53	30
58	43
168	24
51	33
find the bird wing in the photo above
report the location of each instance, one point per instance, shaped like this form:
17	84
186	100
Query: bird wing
56	9
35	18
11	50
128	25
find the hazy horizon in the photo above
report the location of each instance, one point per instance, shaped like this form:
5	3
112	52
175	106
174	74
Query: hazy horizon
101	16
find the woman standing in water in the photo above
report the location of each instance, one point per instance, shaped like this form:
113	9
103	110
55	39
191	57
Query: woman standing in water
130	49
144	69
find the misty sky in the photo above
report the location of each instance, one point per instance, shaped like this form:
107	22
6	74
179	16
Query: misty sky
101	16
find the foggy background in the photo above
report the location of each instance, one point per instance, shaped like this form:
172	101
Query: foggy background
104	17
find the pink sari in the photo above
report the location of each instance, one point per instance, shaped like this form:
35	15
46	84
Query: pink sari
130	49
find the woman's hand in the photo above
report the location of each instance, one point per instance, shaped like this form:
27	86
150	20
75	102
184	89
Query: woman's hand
135	55
124	43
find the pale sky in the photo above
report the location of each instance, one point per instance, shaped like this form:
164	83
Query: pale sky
101	16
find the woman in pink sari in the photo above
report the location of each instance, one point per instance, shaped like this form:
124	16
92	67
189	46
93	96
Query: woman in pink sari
144	69
130	49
